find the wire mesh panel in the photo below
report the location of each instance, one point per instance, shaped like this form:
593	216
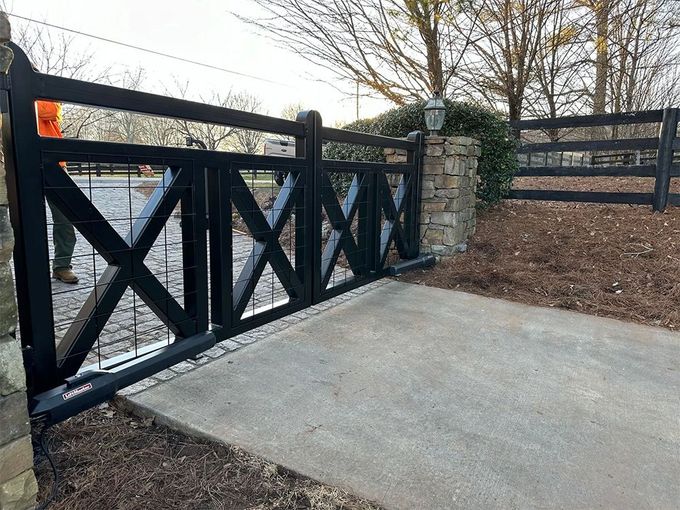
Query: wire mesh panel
347	253
258	241
132	325
137	242
396	239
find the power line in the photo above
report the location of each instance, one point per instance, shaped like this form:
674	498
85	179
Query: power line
147	50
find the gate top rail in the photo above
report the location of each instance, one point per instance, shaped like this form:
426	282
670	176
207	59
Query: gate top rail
356	137
67	90
55	88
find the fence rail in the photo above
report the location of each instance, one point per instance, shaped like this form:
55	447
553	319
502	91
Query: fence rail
171	268
662	171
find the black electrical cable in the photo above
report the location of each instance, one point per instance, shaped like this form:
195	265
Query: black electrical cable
55	473
147	50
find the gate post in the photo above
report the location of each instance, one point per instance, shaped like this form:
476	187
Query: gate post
18	487
412	215
664	158
448	179
308	212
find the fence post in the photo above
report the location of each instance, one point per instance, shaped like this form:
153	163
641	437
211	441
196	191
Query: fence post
412	214
18	487
308	212
664	158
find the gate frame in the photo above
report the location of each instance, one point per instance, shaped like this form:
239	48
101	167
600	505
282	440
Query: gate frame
60	390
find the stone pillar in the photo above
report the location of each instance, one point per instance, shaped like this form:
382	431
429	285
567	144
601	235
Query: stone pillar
448	182
18	487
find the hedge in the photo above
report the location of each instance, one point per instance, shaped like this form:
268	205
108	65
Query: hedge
497	164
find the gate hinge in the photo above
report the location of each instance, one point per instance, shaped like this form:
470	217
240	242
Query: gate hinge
27	353
5	85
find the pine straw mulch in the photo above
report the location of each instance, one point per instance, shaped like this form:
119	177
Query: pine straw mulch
616	261
109	459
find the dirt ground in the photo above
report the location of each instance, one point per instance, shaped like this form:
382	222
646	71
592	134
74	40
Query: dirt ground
109	459
616	261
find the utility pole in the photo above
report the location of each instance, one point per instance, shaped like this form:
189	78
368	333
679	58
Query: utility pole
357	100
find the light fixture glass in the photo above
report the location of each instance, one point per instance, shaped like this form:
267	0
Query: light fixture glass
435	111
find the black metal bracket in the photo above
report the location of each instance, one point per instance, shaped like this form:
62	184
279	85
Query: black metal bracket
91	387
409	265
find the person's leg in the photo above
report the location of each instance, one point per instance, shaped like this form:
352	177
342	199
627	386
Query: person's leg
64	238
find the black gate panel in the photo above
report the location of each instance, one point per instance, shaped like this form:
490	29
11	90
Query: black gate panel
213	245
371	221
257	272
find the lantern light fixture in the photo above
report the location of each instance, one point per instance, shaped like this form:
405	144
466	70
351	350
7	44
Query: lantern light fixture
435	111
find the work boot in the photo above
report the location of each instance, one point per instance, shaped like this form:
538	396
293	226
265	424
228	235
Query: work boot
65	274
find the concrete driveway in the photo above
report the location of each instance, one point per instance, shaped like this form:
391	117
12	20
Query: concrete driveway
417	397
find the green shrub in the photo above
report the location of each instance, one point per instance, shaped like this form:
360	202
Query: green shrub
497	163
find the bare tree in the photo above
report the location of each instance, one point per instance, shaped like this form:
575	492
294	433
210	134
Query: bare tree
506	47
561	79
130	127
162	131
213	135
601	10
290	111
247	140
561	65
643	50
57	54
400	49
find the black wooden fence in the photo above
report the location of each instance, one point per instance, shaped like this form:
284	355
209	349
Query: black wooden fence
113	169
661	168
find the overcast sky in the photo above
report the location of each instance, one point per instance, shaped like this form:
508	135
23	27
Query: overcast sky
203	30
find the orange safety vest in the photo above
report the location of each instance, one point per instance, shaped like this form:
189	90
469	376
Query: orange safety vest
49	120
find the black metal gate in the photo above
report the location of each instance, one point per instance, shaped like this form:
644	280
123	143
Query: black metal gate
177	254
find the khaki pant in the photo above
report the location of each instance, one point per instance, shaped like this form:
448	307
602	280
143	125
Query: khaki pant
64	238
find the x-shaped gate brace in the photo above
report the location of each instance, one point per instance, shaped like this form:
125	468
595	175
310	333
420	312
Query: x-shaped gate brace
125	258
341	218
393	207
266	233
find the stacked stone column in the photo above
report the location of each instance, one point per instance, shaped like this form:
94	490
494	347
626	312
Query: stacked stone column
448	183
18	487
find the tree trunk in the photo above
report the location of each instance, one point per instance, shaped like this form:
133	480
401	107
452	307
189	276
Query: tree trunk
515	112
426	16
602	10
